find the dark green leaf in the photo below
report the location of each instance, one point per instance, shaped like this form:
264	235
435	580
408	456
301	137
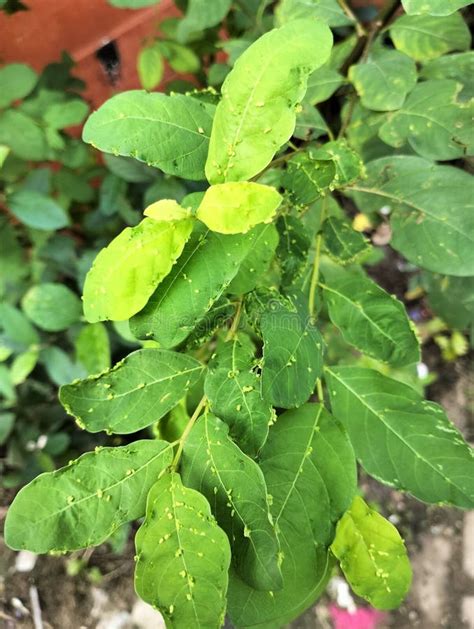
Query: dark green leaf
37	210
343	243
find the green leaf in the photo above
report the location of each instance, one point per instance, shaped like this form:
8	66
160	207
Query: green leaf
433	7
307	178
322	84
254	266
17	80
293	248
206	267
168	132
61	115
7	421
310	469
328	11
23	365
259	98
37	210
235	487
433	122
132	4
451	298
200	15
81	504
384	80
233	389
181	538
423	37
309	123
93	348
59	366
343	243
400	439
348	164
292	355
432	216
52	307
136	392
459	67
181	58
17	328
370	319
234	208
22	135
150	66
373	556
128	270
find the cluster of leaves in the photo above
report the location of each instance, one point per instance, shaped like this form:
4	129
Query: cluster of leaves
238	289
59	207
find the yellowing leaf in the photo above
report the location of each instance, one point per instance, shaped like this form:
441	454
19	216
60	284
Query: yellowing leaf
166	210
125	274
234	208
373	556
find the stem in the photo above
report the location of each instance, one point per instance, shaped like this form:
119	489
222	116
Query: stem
319	389
351	15
317	260
187	430
235	323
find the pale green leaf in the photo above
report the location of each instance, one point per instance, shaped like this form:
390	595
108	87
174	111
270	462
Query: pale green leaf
93	348
181	58
322	84
17	80
329	11
128	270
37	210
68	114
369	318
136	392
433	122
424	37
384	80
292	355
254	266
432	211
82	504
400	439
233	389
310	469
459	67
4	152
433	7
206	267
150	66
52	307
23	365
59	366
372	556
182	558
234	208
343	243
166	210
168	132
202	14
24	137
235	487
257	112
17	328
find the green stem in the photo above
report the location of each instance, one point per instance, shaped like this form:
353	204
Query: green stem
235	323
187	430
319	389
317	260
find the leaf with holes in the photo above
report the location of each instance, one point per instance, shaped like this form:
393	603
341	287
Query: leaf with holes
136	392
82	504
236	490
343	243
257	112
180	537
400	439
168	132
372	556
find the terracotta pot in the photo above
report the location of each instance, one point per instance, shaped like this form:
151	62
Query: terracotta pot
82	27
